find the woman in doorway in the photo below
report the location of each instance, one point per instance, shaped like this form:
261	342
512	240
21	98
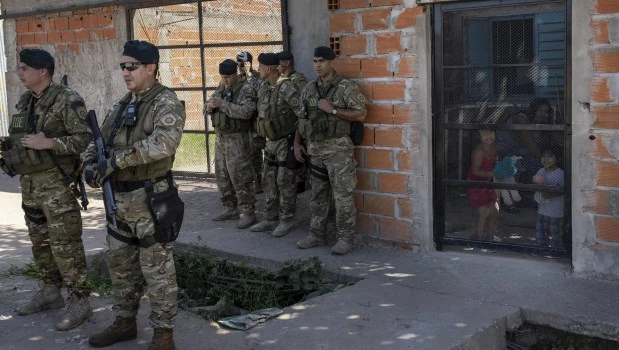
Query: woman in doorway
485	199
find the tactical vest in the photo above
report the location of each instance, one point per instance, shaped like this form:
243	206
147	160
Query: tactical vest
25	160
222	123
274	123
313	116
127	136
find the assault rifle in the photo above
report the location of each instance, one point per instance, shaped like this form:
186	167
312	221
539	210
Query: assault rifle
101	152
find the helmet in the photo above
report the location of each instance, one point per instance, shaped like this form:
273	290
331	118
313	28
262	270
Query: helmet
244	56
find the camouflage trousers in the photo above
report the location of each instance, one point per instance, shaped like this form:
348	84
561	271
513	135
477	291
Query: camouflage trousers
130	265
341	182
278	182
234	173
257	145
55	228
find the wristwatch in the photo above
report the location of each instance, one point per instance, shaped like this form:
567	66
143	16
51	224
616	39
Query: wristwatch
334	111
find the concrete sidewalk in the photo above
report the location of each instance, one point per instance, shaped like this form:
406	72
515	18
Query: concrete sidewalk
404	300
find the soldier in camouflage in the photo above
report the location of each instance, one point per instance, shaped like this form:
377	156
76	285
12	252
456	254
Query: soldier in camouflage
232	109
278	109
330	104
143	131
286	70
45	139
246	71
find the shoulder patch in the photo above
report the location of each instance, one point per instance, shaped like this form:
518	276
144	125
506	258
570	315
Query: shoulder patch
169	120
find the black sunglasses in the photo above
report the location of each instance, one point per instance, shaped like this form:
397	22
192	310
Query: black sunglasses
130	66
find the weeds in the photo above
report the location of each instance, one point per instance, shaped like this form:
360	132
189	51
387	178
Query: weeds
97	284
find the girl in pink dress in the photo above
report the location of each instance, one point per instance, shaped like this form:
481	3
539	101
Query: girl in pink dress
485	199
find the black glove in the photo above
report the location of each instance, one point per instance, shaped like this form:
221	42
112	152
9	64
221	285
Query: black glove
104	168
89	174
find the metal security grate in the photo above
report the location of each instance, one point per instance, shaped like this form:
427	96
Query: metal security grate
193	39
500	66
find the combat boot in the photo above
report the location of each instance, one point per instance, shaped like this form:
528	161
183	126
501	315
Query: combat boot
265	225
163	339
76	312
48	297
122	329
311	241
283	228
246	221
342	246
227	214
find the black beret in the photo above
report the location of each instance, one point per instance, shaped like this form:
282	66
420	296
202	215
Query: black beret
285	56
324	52
244	56
268	59
142	51
227	67
36	58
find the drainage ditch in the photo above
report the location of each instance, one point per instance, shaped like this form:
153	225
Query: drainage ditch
537	337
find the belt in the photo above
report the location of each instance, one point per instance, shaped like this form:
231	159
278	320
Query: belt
128	186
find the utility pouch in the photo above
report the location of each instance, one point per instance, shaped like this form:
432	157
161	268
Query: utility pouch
291	160
356	133
168	210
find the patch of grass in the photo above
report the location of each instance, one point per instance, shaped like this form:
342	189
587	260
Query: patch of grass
97	284
192	150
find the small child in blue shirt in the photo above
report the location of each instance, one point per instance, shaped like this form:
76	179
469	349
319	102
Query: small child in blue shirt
550	213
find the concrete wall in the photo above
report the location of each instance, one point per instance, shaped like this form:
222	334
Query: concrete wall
309	27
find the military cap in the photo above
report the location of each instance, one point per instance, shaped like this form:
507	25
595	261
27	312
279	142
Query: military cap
227	67
142	51
285	56
268	59
324	52
244	56
36	58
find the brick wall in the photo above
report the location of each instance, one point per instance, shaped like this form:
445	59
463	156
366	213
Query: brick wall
377	49
602	202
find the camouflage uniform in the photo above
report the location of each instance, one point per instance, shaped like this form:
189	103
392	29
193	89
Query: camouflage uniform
160	122
278	182
332	161
300	81
52	212
233	168
257	141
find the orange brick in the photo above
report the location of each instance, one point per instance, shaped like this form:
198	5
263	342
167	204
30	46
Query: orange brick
600	31
376	19
53	37
27	39
600	91
366	180
375	68
596	202
405	161
366	225
353	44
608	174
68	36
393	183
606	6
597	148
377	3
406	68
40	38
61	23
408	18
380	205
74	47
349	67
368	136
358	198
606	117
109	33
405	114
97	34
388	91
353	4
405	208
379	114
366	89
89	21
22	26
104	20
342	22
608	229
388	42
394	229
75	22
82	35
61	47
606	61
36	26
391	137
378	159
